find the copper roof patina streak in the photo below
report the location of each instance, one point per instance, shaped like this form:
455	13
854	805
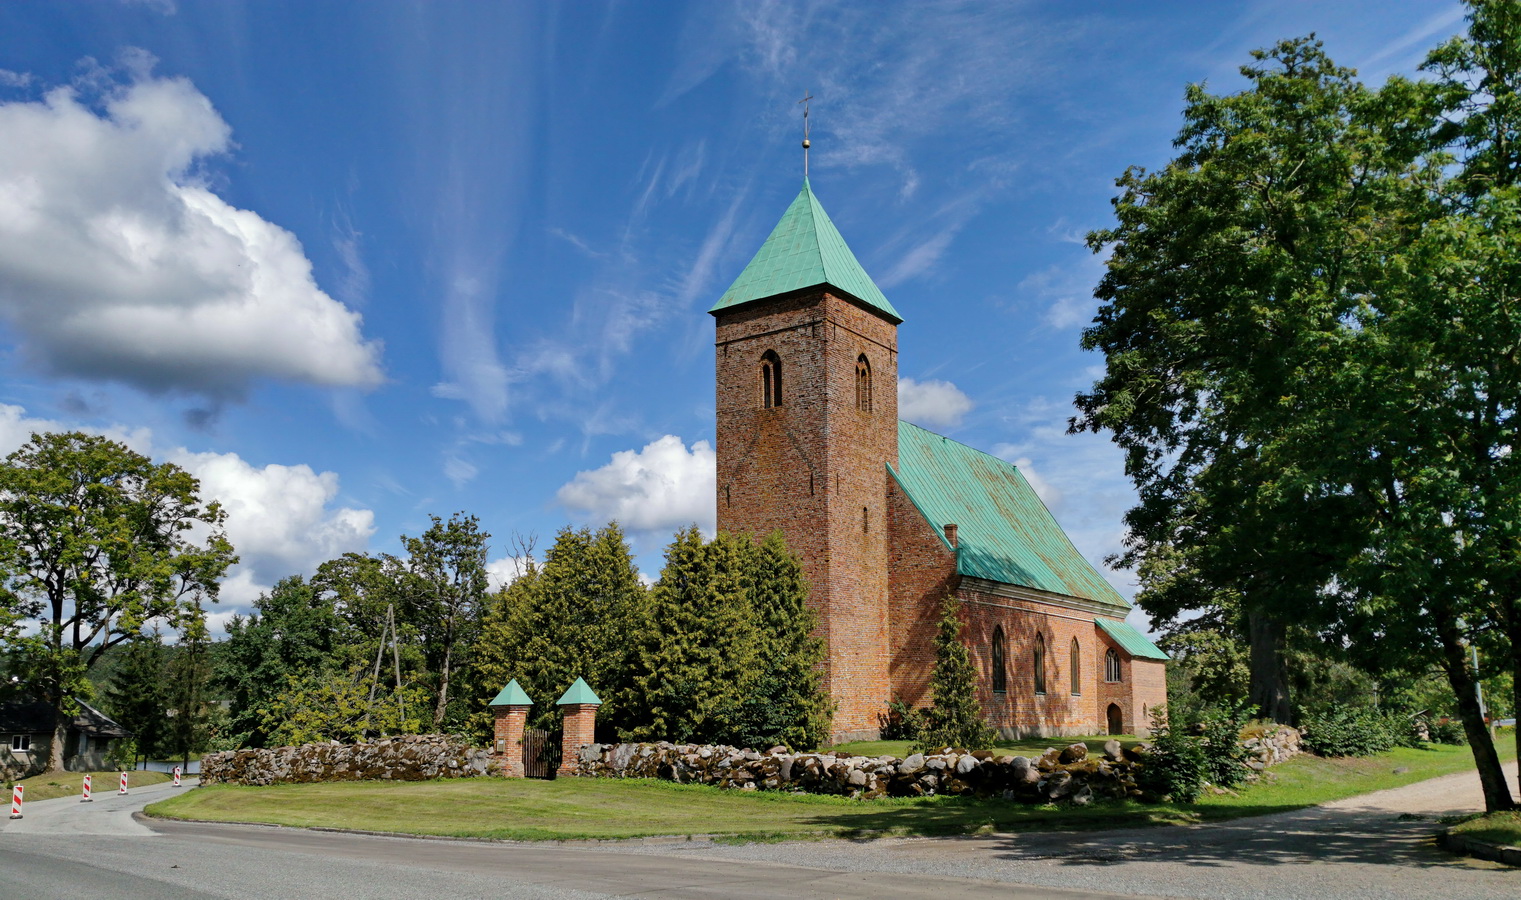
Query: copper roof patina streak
1005	532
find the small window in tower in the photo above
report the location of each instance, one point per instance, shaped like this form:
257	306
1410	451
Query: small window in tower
771	380
1040	663
865	520
1000	673
1077	669
863	384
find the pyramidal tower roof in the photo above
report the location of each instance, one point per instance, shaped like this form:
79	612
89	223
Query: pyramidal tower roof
805	250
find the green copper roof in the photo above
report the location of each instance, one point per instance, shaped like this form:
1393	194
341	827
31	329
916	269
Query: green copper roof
1004	531
512	695
804	250
1130	640
580	692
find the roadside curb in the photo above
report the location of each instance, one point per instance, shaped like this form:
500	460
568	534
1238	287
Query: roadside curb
1466	846
651	840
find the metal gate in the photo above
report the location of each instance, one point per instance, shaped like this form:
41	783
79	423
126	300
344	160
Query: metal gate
541	752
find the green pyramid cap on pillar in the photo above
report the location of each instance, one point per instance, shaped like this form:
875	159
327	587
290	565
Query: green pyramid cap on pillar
805	250
512	695
578	693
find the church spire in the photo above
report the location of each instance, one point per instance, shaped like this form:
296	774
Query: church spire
805	250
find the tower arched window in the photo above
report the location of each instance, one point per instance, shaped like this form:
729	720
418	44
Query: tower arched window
1111	666
1077	668
1040	663
771	379
1000	672
863	383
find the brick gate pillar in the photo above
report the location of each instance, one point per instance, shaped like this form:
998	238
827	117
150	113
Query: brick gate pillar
510	709
580	724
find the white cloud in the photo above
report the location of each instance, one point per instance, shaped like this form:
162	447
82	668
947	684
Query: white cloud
659	488
504	571
117	262
937	404
280	519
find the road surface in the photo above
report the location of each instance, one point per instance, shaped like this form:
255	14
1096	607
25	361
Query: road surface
1375	846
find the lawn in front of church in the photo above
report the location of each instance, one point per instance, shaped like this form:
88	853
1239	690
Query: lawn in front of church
587	808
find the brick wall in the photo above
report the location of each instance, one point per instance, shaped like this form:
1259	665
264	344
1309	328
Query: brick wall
1021	711
815	469
1148	690
923	574
580	730
507	738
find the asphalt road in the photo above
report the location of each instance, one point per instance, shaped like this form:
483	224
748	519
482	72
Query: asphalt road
1375	846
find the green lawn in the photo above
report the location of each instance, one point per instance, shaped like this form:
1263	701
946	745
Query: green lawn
574	808
68	784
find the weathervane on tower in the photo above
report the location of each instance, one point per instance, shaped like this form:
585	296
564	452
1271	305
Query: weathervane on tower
804	101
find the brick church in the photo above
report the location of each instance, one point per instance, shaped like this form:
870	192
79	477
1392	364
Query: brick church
889	518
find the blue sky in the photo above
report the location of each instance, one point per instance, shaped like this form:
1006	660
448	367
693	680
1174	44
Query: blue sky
358	263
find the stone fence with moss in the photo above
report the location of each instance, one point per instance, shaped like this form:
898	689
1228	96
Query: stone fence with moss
416	757
1070	774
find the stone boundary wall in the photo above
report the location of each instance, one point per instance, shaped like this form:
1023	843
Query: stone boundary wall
405	758
1068	774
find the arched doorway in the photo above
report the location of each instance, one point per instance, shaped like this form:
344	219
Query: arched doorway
1116	719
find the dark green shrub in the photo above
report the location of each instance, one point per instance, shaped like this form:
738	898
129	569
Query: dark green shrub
1225	758
1349	731
901	722
1448	731
1177	765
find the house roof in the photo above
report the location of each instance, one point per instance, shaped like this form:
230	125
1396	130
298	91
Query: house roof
1004	532
37	717
1131	640
805	250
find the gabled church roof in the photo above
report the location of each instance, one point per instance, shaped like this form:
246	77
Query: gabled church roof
804	250
1004	531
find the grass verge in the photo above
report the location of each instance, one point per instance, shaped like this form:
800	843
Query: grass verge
573	808
1503	828
50	786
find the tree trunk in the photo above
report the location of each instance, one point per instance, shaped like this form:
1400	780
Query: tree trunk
1269	690
1463	681
443	688
60	734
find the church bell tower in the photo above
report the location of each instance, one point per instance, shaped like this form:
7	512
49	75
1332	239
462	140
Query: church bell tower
807	400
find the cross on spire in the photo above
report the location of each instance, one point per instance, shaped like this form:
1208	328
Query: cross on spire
807	96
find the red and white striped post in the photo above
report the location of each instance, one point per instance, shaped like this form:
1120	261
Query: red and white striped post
85	797
123	789
176	776
16	802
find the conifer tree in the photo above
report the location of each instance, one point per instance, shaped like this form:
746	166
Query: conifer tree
698	646
189	678
785	702
574	617
135	698
955	716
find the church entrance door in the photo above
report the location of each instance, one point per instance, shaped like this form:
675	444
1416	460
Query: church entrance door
1116	719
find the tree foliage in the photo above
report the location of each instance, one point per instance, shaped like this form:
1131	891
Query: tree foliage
98	540
1310	325
954	718
137	698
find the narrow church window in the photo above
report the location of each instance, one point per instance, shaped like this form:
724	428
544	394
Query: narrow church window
1077	669
726	495
1111	666
863	384
865	520
810	484
1000	676
771	380
1040	663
